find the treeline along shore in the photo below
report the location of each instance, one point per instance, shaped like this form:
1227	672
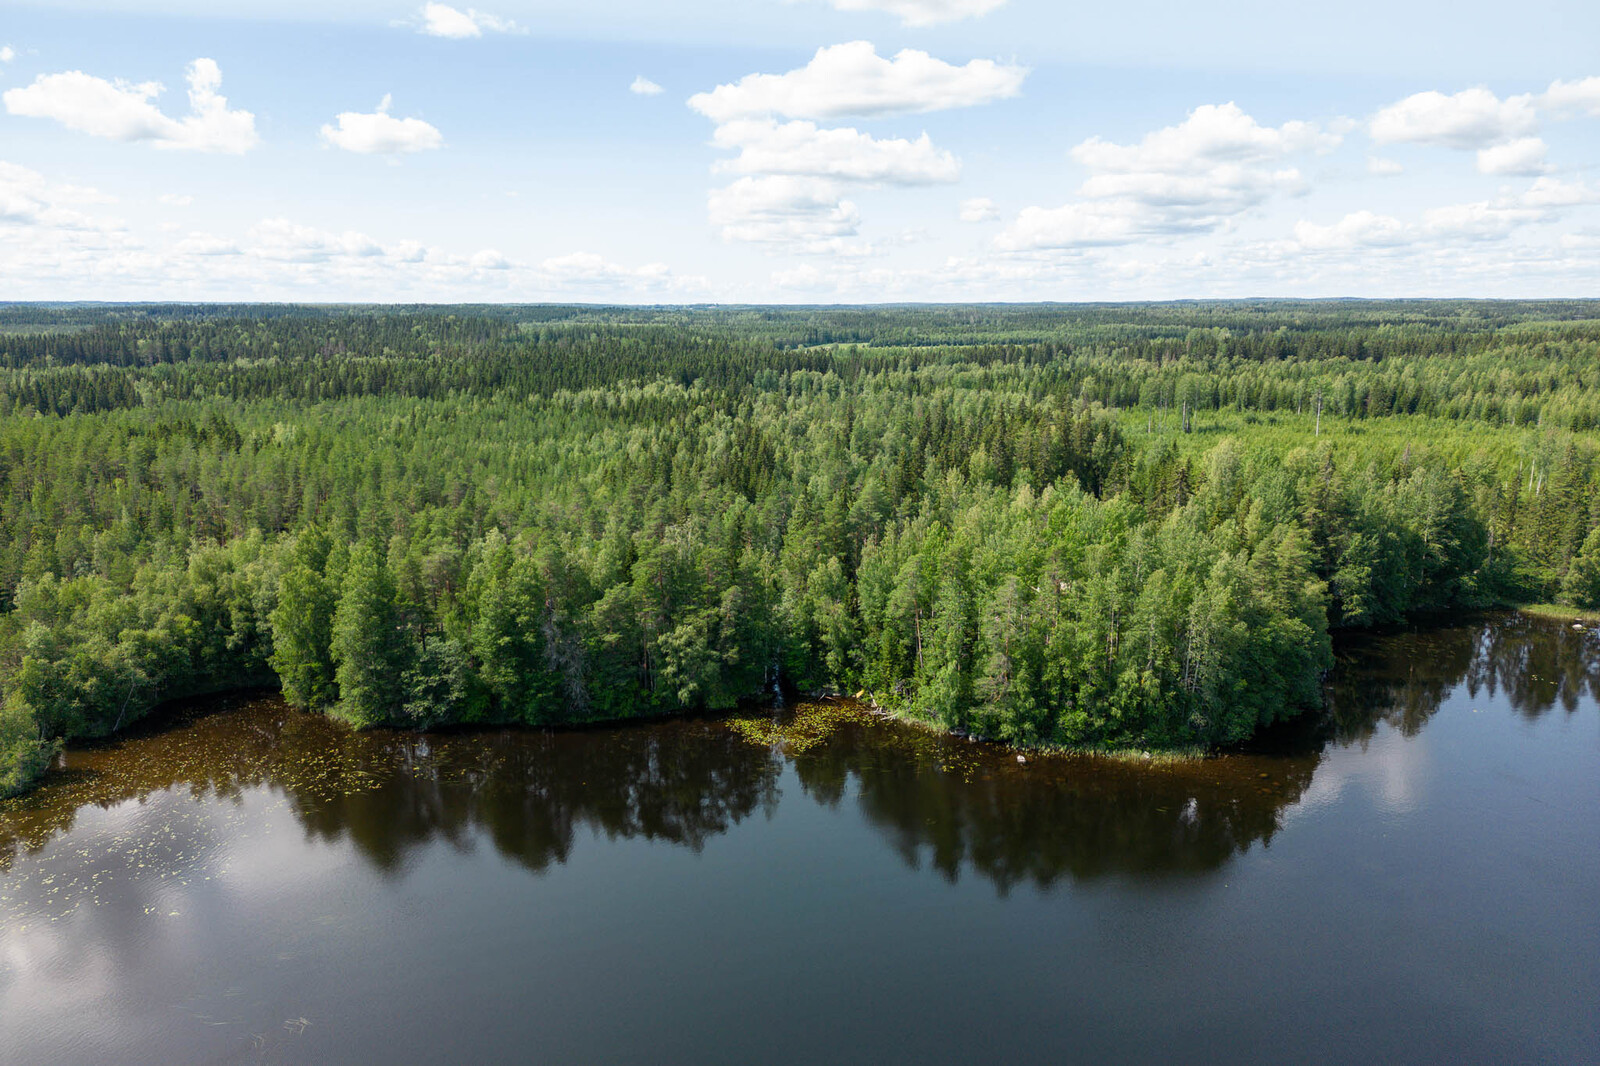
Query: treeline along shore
1083	526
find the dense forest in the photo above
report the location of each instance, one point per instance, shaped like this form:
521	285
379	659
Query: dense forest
1081	525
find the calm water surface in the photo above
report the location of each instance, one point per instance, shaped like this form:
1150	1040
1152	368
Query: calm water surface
1414	876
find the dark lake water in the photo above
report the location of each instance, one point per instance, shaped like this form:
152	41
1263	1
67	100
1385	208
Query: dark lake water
1413	876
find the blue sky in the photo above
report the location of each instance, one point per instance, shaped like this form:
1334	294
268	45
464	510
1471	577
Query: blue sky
856	150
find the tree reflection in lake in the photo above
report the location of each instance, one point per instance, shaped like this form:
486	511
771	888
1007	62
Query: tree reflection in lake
527	792
941	802
955	804
1400	679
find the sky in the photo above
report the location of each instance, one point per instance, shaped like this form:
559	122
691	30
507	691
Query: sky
797	151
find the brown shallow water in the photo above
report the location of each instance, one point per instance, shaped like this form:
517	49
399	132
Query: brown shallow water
1412	876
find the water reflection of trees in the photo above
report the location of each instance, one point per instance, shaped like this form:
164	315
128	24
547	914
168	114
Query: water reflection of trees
1402	679
1538	664
529	793
940	803
951	805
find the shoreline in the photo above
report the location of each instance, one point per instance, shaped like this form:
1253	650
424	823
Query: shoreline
1142	756
1560	612
865	700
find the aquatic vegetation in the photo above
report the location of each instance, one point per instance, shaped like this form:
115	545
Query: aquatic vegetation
797	730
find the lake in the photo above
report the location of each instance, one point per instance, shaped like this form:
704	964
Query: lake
1412	875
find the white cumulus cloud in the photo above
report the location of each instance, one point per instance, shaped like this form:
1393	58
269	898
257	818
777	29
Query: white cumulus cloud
1446	231
1543	201
1550	192
1361	229
123	111
1472	118
489	259
380	133
28	198
1525	155
643	86
852	79
922	12
1185	179
442	20
766	146
1485	220
795	170
808	214
1083	224
284	241
1573	97
587	269
279	259
7	53
1212	135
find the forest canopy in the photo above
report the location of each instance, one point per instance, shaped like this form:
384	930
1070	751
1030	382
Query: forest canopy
1081	525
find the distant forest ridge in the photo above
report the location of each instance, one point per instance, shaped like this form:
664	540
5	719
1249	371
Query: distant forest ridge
865	324
1086	525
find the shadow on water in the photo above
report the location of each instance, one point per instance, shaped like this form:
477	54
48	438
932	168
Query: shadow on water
941	803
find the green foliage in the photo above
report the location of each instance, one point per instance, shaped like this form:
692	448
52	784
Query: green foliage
1090	526
302	625
365	646
25	754
1582	585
